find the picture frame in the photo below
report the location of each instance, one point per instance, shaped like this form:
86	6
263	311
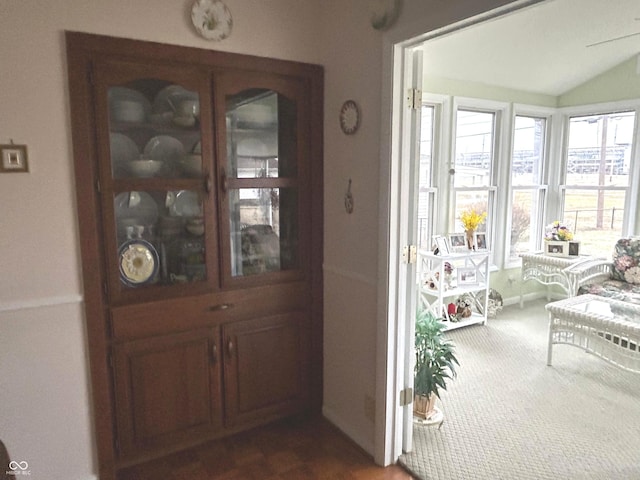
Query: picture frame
481	241
458	242
442	244
574	249
13	158
467	276
556	248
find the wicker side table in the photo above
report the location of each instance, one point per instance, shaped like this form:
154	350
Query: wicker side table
607	328
564	272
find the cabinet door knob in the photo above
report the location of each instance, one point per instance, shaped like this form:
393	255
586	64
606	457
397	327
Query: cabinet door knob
208	183
230	348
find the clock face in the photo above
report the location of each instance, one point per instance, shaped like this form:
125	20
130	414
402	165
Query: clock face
349	117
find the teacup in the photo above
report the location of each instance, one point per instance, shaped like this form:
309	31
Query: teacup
188	108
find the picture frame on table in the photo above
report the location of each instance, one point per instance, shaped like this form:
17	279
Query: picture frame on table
467	276
458	242
442	244
574	249
481	241
556	248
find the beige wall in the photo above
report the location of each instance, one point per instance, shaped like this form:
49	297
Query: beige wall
45	414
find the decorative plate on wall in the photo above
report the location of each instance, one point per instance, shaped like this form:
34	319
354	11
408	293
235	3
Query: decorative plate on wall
384	13
211	19
349	117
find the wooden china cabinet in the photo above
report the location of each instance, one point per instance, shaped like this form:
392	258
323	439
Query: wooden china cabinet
199	196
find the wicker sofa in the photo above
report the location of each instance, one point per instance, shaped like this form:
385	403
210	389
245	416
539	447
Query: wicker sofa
621	280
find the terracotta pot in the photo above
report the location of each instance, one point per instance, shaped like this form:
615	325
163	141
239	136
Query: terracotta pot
424	406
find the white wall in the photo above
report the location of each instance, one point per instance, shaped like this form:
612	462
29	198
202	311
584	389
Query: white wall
44	392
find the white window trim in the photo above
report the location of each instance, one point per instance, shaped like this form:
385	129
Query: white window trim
502	123
631	221
501	189
519	109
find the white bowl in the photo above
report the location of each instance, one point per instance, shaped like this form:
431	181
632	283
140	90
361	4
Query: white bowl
128	111
145	168
185	121
192	164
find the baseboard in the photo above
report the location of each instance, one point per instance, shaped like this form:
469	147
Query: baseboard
349	430
530	297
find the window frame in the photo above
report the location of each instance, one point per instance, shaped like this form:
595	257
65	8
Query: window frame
536	229
495	197
631	220
500	191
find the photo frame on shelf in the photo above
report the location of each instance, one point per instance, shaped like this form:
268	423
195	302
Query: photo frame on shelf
481	241
467	276
442	244
458	242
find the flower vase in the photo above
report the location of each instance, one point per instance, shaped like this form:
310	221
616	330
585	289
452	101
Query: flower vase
470	234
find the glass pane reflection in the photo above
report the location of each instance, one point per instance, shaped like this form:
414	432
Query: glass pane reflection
264	230
261	133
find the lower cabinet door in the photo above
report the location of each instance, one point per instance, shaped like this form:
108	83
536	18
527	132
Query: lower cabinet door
167	391
264	368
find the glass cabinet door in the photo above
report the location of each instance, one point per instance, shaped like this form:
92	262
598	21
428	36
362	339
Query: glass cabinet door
260	181
154	177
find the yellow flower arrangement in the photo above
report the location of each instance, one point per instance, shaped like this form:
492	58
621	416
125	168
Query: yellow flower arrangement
558	231
471	219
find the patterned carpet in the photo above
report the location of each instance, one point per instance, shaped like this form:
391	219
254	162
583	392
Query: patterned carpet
509	416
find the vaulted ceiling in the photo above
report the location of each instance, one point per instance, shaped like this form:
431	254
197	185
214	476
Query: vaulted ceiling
548	48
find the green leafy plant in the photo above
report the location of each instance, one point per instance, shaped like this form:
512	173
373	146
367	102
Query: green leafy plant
435	356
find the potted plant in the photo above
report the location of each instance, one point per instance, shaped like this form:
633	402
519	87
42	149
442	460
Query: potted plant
435	363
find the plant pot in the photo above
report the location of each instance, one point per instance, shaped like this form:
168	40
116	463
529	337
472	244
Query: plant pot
424	406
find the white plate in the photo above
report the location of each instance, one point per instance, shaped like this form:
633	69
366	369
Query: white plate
138	262
123	150
186	204
164	147
138	206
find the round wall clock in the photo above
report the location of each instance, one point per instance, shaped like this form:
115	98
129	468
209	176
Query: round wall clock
211	19
349	117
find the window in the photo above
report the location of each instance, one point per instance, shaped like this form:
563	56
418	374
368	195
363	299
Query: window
527	191
473	165
425	190
596	178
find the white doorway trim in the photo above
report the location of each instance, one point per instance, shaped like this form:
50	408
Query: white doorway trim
391	353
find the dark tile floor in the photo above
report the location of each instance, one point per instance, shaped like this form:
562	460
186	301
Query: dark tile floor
310	449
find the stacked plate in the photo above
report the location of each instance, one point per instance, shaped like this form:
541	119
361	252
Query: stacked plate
128	105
